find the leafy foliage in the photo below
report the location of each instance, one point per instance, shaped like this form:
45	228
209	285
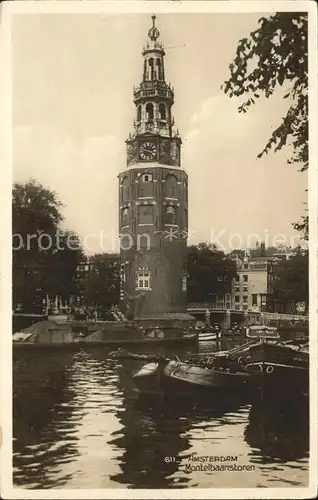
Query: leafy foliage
279	49
101	286
210	272
276	54
291	283
44	257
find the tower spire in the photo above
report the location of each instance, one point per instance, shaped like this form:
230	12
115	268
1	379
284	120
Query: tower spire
153	33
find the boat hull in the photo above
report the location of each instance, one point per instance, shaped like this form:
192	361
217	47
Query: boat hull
167	341
278	371
209	336
147	379
181	380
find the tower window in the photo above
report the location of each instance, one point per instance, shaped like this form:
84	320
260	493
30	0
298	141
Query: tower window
149	111
145	70
145	186
162	111
146	178
143	281
139	113
125	190
145	214
151	69
245	277
184	283
171	186
170	215
125	216
159	69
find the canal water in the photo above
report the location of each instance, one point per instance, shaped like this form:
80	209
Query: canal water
80	423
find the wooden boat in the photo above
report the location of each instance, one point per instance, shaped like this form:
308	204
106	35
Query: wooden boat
279	369
20	320
261	331
149	378
183	380
209	336
48	334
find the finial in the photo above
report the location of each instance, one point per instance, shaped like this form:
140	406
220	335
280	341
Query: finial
153	33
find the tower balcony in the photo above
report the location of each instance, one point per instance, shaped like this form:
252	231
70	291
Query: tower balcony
153	127
153	90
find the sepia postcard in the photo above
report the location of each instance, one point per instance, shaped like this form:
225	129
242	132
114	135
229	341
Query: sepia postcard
158	291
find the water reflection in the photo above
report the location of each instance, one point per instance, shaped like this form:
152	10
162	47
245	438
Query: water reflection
43	416
80	423
278	433
157	435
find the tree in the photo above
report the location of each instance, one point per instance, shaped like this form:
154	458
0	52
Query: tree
43	260
101	286
274	55
291	283
210	272
237	254
64	260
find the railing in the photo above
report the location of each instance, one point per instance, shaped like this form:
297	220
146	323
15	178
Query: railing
162	93
203	306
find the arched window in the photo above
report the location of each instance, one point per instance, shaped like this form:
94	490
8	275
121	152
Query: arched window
125	190
159	72
139	113
171	186
170	215
125	216
149	111
151	69
185	188
145	69
145	185
162	111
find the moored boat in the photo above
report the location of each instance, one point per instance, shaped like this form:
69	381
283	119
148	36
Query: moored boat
183	380
278	369
261	331
186	380
209	336
46	334
149	378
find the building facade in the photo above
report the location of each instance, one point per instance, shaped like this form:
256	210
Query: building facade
252	284
153	199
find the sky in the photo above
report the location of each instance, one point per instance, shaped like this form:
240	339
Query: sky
73	78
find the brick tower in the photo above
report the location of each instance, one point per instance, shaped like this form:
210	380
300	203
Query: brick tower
153	201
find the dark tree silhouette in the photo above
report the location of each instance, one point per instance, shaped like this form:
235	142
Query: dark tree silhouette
44	257
291	283
210	272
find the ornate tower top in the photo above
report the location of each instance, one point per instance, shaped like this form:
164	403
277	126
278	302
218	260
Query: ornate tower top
153	33
154	98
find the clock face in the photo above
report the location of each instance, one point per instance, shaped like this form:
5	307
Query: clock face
148	150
